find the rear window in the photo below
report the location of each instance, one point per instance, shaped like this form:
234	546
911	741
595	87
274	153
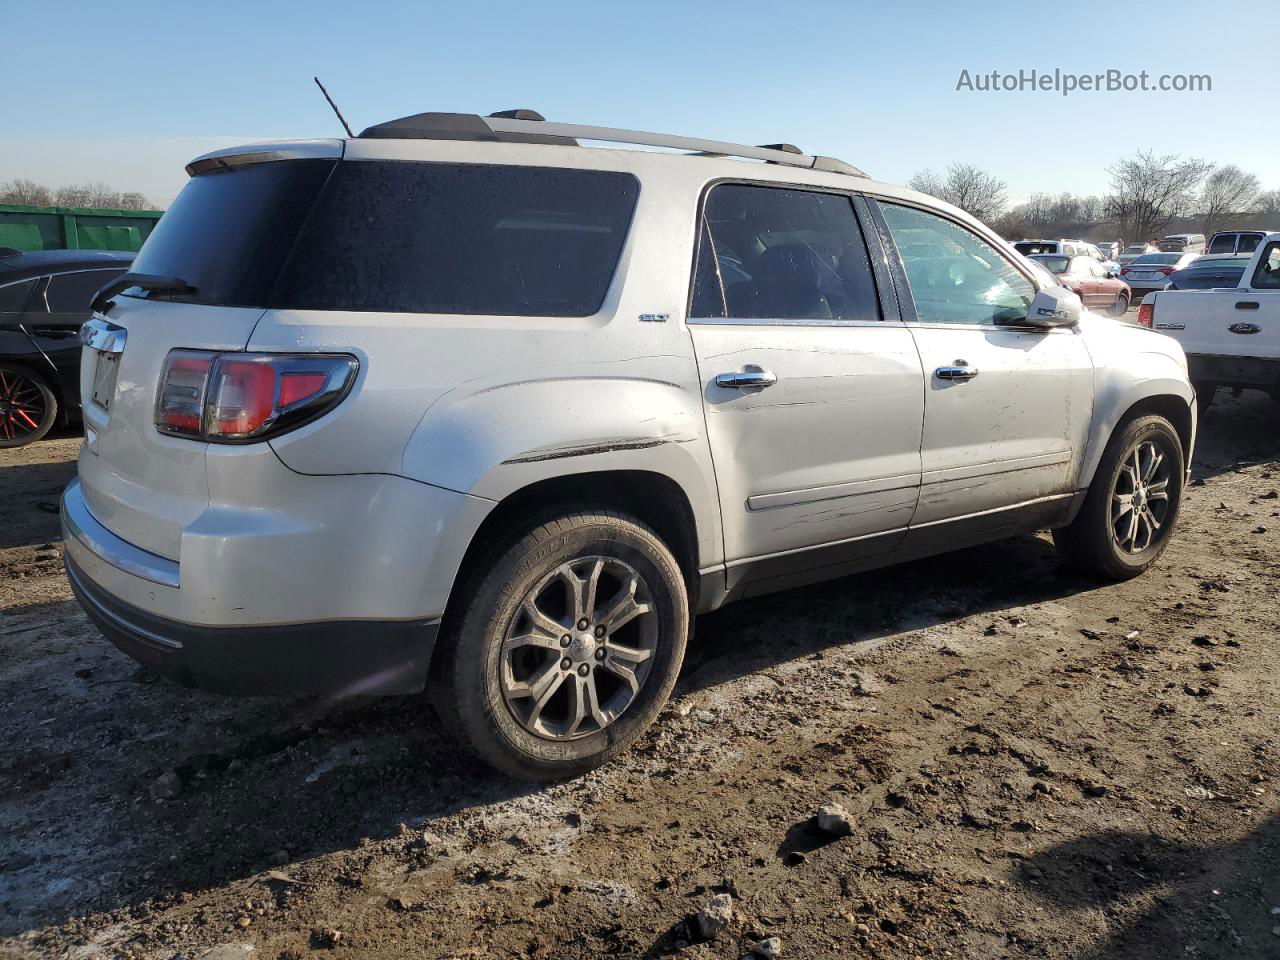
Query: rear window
1223	243
461	238
228	233
397	236
1029	248
1054	264
1157	258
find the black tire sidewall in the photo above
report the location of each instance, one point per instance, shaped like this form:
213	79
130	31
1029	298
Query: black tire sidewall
482	715
1121	306
1138	431
50	406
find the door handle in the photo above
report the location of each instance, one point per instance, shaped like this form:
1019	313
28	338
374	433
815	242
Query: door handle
957	371
745	379
1246	304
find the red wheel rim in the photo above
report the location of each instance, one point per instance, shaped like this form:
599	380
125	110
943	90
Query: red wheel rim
22	406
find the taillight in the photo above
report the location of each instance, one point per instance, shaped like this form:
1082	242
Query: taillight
1166	270
1123	271
240	397
1147	314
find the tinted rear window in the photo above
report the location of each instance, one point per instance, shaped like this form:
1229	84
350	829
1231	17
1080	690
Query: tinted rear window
227	234
461	238
397	236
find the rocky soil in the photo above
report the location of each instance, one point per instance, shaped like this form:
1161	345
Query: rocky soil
1014	763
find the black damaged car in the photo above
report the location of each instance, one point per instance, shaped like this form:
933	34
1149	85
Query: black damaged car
44	298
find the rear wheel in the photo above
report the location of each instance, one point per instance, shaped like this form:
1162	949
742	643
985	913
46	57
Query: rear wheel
28	408
567	648
1121	306
1132	504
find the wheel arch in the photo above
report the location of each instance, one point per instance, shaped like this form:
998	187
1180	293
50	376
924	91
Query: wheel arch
1173	400
654	498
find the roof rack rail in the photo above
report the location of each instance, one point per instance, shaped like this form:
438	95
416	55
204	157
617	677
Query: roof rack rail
782	153
528	126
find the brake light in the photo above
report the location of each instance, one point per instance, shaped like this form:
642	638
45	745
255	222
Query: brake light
1123	271
242	397
1166	270
1147	314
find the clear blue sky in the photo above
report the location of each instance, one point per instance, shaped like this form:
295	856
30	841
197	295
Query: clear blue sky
127	91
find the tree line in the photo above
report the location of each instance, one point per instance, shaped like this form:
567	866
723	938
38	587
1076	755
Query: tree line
1151	195
95	195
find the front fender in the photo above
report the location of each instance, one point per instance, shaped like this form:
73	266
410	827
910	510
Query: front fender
492	440
1122	385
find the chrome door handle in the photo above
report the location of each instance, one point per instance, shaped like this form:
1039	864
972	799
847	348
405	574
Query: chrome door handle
746	379
958	372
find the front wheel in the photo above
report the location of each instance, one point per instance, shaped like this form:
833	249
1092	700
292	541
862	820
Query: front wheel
1131	507
566	649
1121	306
28	408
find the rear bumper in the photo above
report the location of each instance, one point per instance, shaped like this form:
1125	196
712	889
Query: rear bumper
341	657
1235	371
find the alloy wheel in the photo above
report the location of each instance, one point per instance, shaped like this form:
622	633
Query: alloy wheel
1140	499
579	648
22	406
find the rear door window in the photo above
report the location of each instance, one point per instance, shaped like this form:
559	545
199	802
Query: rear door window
771	253
1267	275
13	300
461	239
69	294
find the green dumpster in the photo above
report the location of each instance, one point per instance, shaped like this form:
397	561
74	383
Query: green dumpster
74	228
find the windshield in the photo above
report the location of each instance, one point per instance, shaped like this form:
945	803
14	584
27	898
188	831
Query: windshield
1136	248
1054	264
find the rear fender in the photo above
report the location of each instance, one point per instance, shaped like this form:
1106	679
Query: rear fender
491	441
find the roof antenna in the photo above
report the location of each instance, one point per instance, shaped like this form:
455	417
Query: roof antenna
341	119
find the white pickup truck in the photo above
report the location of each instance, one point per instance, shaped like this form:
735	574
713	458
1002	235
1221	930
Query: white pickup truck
1231	335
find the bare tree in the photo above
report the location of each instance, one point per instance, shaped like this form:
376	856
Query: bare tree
970	188
1269	204
927	181
133	201
25	191
1227	190
1150	191
95	195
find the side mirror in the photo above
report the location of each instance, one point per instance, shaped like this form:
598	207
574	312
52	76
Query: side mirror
1054	307
1113	274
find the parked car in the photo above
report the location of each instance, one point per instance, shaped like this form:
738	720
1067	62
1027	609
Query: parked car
44	298
1097	287
462	404
1152	271
1232	336
1032	248
1207	272
1182	243
1135	250
1111	249
1236	241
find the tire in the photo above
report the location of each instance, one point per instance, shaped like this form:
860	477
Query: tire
28	407
1091	544
1204	395
515	704
1121	306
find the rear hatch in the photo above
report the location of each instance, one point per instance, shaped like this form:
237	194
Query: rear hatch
226	237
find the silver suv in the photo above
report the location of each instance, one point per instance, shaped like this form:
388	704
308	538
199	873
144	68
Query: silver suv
461	404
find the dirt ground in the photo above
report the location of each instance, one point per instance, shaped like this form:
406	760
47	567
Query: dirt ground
1035	766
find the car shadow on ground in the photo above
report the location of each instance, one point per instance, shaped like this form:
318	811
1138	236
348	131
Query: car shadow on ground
259	778
1201	900
1236	431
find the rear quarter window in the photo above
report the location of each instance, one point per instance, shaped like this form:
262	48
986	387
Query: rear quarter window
414	237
